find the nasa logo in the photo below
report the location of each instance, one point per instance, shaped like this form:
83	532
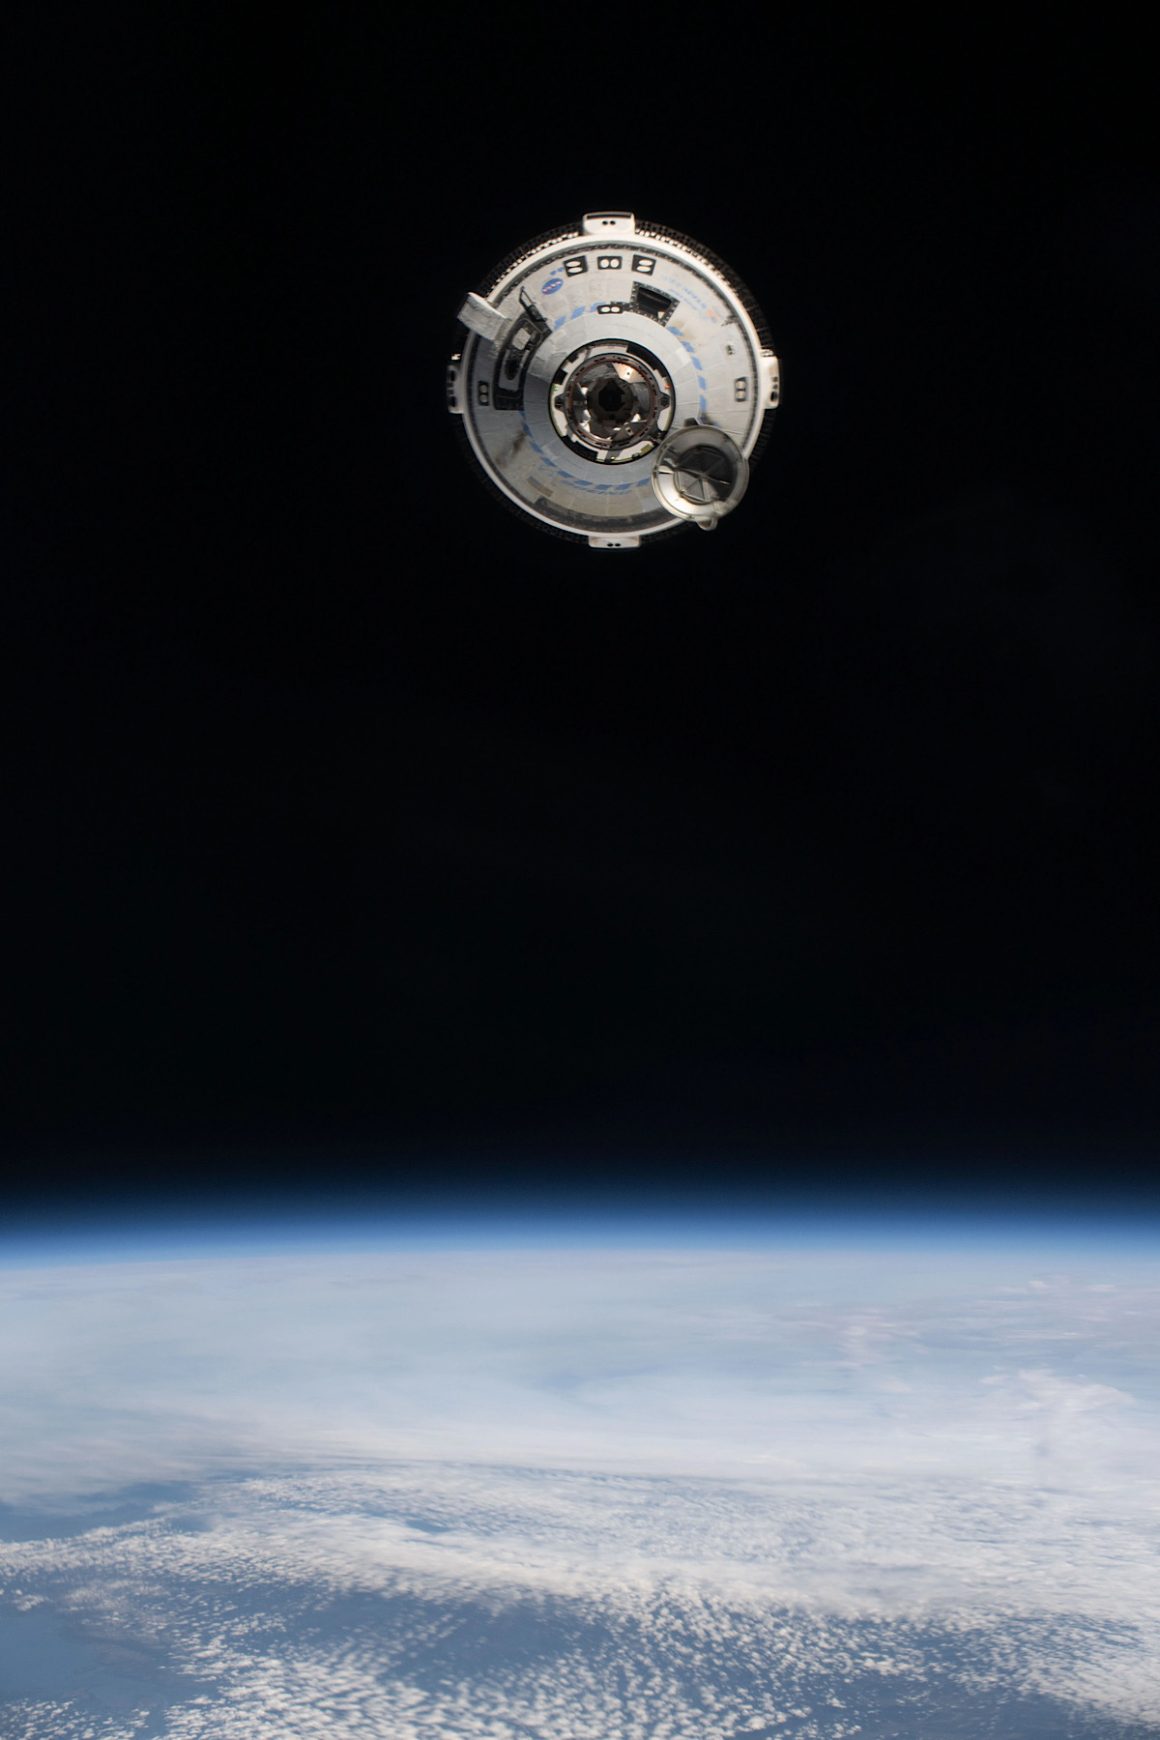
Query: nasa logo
550	286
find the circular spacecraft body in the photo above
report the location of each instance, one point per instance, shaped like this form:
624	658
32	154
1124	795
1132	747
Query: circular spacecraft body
617	382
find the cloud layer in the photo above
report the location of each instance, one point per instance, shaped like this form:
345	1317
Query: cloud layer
610	1495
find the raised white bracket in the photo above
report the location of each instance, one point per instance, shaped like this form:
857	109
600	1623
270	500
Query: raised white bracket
608	223
614	540
481	317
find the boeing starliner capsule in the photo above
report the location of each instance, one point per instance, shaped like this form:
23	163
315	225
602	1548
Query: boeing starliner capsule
617	382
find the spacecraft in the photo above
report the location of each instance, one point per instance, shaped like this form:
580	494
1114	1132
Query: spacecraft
616	382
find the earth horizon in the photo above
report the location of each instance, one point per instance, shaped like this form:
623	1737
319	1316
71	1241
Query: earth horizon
817	1475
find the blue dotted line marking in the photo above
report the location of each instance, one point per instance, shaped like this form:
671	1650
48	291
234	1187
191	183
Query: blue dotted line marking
703	403
570	476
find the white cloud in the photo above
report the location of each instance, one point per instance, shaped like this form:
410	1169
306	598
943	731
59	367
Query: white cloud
666	1583
714	1363
721	1490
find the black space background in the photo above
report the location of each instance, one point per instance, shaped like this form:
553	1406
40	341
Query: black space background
357	833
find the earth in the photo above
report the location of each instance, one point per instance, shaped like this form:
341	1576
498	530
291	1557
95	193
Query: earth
809	1480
